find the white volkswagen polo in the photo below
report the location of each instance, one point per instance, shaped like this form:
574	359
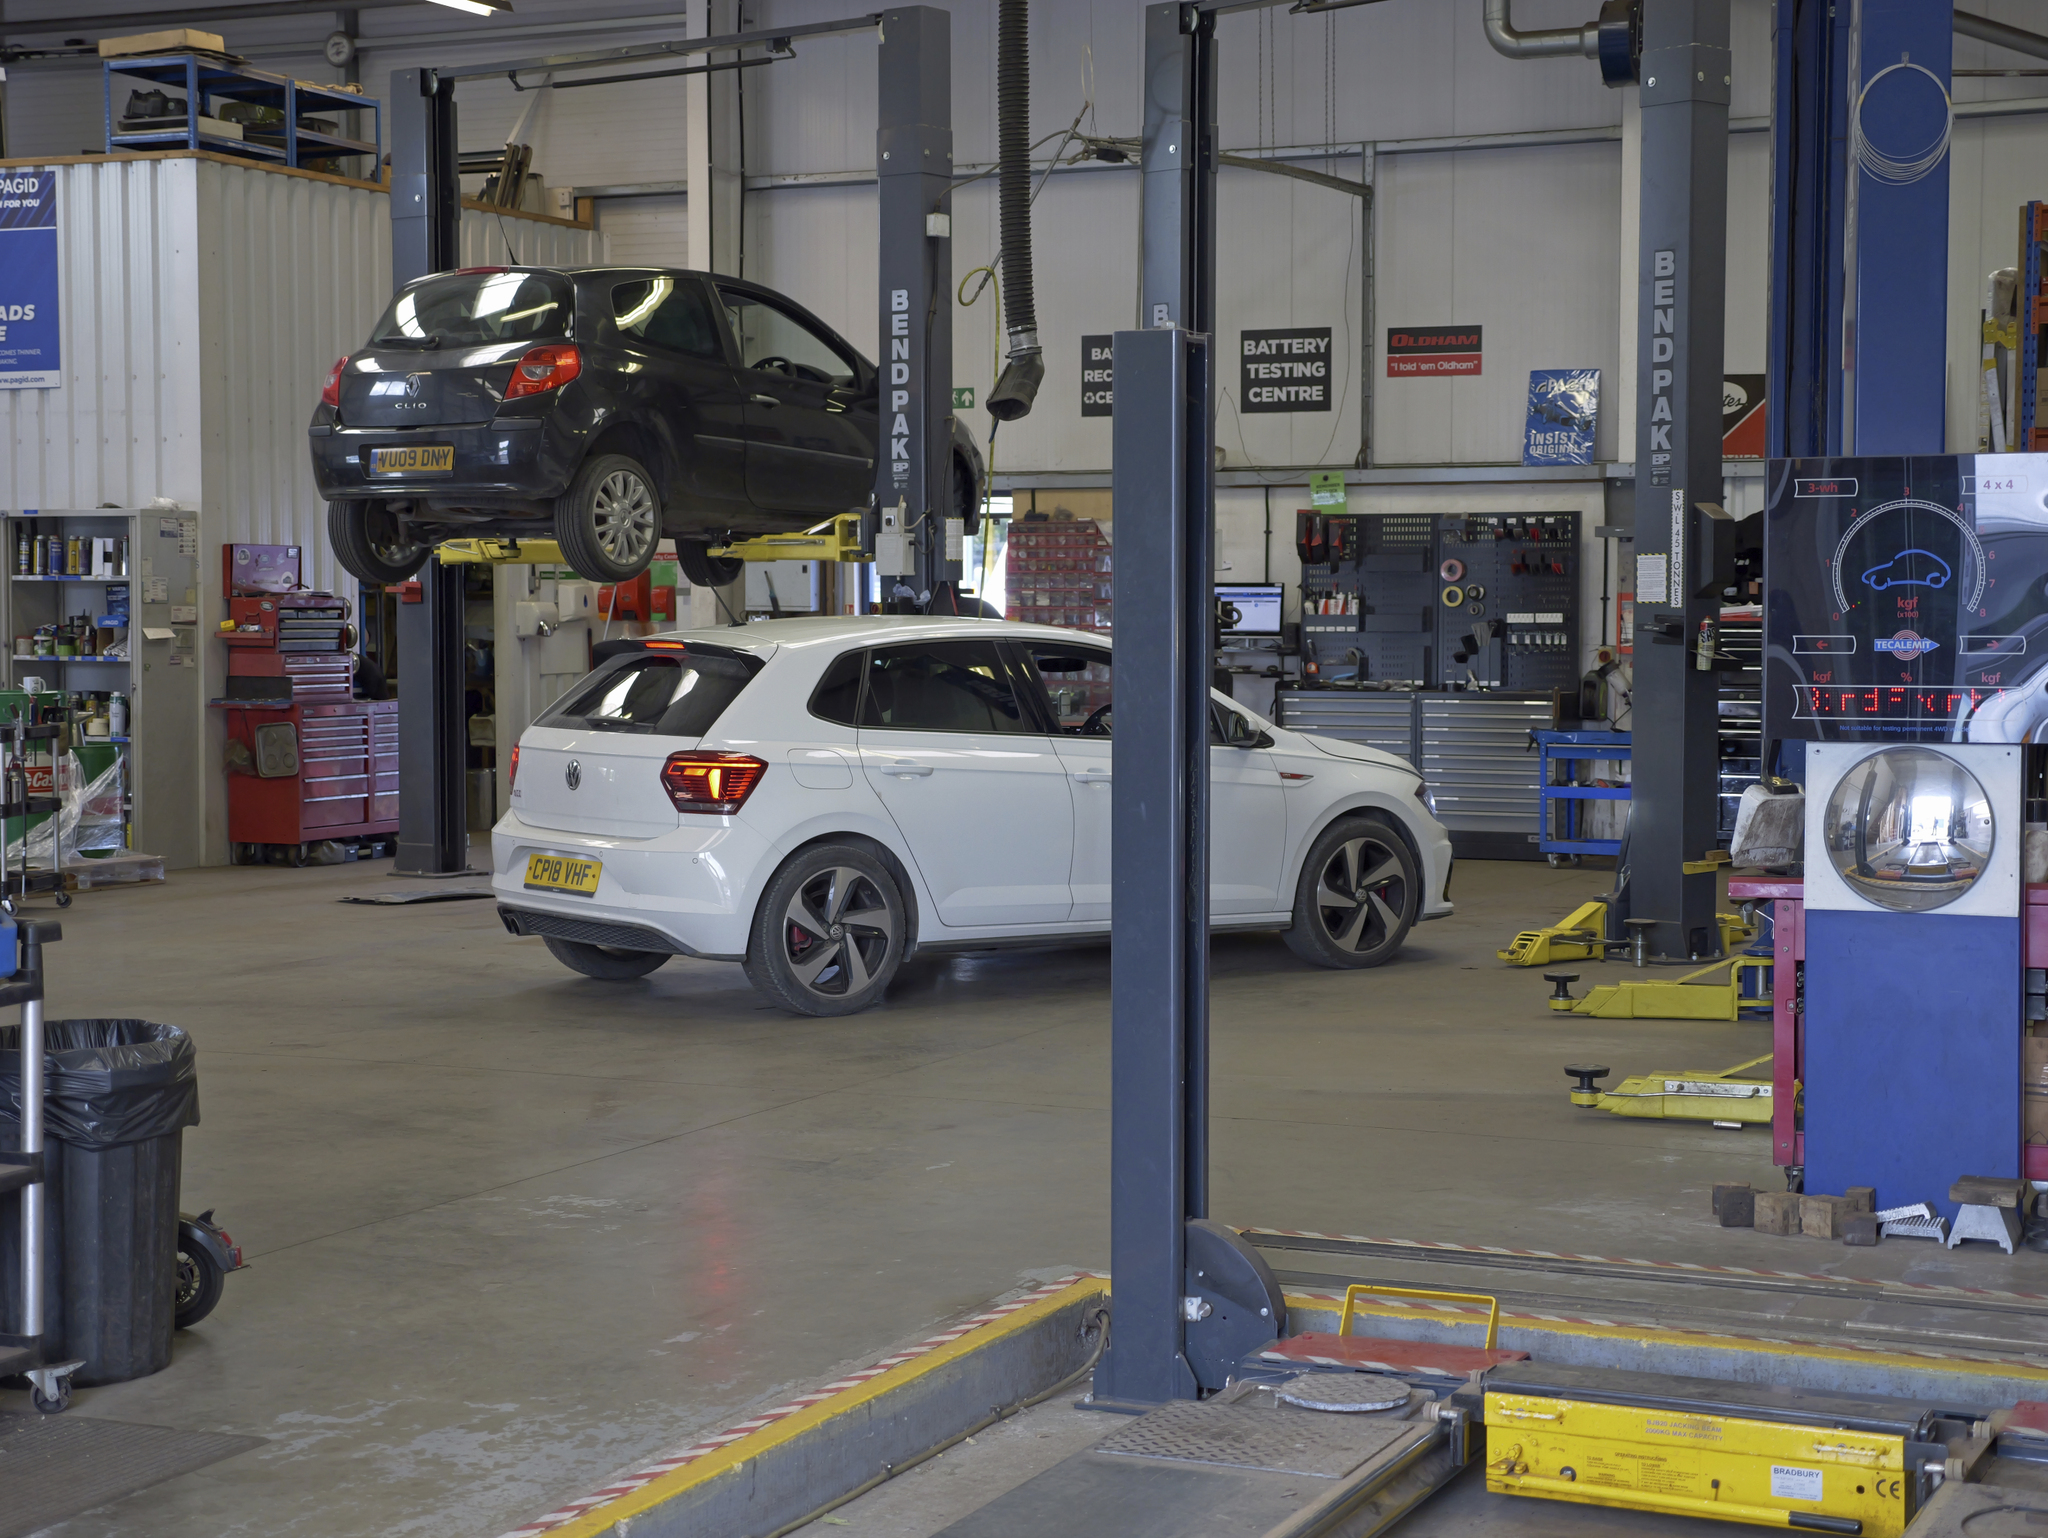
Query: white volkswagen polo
817	799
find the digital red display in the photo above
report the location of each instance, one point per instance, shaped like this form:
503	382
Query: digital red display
1848	702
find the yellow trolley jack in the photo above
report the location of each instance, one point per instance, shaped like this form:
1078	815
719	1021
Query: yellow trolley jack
1677	998
1727	1098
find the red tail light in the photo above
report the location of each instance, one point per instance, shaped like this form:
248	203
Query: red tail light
711	782
512	774
330	393
544	369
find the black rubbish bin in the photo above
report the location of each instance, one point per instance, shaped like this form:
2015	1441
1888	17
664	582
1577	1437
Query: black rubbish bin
118	1097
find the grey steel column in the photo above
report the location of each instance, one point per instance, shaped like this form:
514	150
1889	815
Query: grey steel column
1685	82
35	1206
1177	231
1159	855
426	209
914	162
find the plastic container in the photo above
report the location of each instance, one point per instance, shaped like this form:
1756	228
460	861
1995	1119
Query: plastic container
119	1095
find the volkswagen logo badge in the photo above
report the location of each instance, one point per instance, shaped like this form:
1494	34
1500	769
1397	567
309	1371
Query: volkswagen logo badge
573	774
412	385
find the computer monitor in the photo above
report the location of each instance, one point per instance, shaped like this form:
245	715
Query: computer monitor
1258	607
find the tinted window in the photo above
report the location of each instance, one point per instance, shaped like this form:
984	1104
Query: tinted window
838	693
654	694
669	314
471	308
1076	680
942	686
775	341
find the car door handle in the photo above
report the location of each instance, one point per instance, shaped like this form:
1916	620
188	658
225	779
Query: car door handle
1091	776
765	400
907	769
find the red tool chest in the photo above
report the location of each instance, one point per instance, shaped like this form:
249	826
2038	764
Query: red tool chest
315	763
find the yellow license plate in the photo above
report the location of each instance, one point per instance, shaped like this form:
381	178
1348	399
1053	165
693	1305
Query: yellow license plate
558	873
414	459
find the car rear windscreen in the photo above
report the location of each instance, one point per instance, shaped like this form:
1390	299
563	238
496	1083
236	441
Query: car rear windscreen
655	694
468	309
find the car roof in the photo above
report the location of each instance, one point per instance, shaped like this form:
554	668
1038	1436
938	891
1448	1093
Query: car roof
770	635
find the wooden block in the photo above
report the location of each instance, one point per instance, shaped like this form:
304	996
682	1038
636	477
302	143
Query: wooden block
1862	1198
1820	1217
1735	1206
1777	1212
1859	1228
1722	1188
1988	1191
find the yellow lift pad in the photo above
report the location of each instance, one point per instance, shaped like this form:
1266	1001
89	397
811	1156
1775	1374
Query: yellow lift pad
1724	1467
1678	998
1690	1095
1578	937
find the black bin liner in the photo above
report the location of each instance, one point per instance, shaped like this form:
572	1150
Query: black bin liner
118	1095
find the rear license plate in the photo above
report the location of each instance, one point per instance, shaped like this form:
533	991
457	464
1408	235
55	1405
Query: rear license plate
558	873
414	459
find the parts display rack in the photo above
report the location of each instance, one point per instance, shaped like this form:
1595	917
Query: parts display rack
17	881
1058	573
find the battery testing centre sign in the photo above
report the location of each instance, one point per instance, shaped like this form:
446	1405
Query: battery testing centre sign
28	281
1285	370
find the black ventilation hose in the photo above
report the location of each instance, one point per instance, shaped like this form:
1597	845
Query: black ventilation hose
1018	388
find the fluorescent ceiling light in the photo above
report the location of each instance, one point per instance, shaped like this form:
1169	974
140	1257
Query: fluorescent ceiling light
477	7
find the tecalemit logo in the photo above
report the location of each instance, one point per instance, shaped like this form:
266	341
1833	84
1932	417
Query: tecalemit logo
1905	644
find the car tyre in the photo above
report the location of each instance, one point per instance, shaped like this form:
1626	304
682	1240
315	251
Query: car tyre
703	568
609	520
1357	895
607	963
371	543
830	932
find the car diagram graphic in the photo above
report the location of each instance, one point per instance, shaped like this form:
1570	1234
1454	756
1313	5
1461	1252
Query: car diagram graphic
1909	568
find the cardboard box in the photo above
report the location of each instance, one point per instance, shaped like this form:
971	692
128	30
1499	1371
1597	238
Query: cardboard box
2034	1117
2034	1062
176	40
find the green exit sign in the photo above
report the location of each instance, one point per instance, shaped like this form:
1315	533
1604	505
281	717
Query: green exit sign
963	397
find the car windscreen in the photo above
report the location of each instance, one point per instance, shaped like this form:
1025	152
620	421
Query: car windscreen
654	694
469	309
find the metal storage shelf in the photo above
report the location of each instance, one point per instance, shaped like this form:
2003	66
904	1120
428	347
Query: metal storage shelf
202	77
1566	748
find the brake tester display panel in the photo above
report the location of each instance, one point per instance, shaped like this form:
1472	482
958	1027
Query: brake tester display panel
1908	598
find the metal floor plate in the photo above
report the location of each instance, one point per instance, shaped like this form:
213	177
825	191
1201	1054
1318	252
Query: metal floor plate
56	1466
1256	1434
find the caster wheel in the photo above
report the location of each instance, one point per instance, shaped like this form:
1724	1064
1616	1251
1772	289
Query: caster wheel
63	899
52	1404
295	856
7	906
1563	861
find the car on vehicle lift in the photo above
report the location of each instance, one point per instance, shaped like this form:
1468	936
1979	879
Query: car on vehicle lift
817	799
602	407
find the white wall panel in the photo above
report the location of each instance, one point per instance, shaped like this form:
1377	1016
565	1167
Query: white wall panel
650	231
55	108
1519	242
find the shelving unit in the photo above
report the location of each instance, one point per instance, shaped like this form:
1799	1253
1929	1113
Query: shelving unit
160	677
1059	573
205	79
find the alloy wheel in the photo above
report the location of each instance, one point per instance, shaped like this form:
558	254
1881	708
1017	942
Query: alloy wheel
387	536
1361	894
838	931
623	512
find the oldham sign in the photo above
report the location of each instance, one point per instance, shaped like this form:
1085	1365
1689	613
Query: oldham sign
1415	352
1286	370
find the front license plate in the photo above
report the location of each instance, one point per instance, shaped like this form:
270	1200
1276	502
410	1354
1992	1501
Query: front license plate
414	459
558	873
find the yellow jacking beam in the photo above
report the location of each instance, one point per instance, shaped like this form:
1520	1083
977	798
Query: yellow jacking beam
1679	998
836	540
500	552
1578	937
1691	1095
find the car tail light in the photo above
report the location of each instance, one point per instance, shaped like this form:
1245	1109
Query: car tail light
711	782
330	393
544	369
512	774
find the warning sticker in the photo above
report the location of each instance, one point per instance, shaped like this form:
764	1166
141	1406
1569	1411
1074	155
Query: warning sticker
1790	1484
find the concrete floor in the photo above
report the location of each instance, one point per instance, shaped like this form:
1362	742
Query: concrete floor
513	1230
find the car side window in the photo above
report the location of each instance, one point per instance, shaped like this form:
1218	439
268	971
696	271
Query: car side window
777	342
942	686
1076	680
668	314
837	697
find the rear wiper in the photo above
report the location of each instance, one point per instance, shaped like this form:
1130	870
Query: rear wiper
421	342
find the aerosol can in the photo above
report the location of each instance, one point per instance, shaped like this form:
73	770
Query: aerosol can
1703	654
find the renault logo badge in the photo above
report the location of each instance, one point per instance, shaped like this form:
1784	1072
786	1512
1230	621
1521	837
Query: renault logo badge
412	385
573	774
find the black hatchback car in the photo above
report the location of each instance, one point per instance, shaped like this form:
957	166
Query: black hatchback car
603	407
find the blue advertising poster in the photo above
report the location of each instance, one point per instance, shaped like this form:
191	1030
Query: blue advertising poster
1564	404
28	281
